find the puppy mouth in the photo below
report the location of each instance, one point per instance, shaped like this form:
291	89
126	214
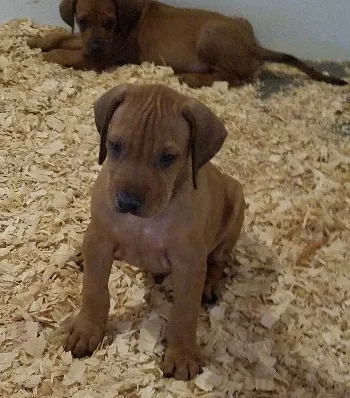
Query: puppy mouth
141	213
135	213
144	211
136	203
94	58
95	54
153	211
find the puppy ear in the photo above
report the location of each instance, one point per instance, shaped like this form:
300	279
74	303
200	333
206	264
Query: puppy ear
129	12
104	109
207	134
67	12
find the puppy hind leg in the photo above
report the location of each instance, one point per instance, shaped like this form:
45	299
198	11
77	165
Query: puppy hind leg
197	80
217	260
221	255
227	50
78	260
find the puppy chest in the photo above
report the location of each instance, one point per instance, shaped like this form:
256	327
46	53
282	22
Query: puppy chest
144	248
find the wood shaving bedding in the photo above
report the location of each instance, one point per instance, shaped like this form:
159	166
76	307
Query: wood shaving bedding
282	326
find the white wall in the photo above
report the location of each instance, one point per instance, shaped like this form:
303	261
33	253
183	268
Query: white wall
311	29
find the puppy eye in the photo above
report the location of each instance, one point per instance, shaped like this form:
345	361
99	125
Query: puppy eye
117	148
108	24
82	22
166	160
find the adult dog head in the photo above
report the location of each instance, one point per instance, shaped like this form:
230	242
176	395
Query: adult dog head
153	140
102	23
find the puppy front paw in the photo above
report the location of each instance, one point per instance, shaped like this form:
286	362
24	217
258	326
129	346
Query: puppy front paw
78	260
181	364
189	79
50	41
34	42
53	56
84	336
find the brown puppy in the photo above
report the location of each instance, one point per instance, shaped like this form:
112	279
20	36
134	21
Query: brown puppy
200	46
160	205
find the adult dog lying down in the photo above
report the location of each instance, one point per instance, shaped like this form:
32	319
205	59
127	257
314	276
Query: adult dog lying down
200	46
159	204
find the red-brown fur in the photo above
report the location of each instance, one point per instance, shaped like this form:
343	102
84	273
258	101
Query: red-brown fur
156	146
201	46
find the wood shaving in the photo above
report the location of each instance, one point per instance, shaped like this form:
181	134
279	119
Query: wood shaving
309	250
279	329
149	333
208	380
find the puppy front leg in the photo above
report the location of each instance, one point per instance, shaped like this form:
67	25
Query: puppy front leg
67	58
87	329
182	357
50	41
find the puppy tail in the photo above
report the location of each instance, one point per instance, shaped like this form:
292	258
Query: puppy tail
282	58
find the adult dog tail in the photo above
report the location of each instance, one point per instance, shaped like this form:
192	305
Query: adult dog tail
282	58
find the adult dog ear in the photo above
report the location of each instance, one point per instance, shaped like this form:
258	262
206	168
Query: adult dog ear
129	12
104	109
207	134
67	12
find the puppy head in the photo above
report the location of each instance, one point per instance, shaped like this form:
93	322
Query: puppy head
101	22
153	139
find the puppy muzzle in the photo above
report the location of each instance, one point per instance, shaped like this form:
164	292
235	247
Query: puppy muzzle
127	202
95	48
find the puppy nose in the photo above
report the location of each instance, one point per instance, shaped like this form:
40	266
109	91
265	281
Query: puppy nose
128	203
95	47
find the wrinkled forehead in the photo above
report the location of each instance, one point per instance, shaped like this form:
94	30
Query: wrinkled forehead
95	8
145	119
